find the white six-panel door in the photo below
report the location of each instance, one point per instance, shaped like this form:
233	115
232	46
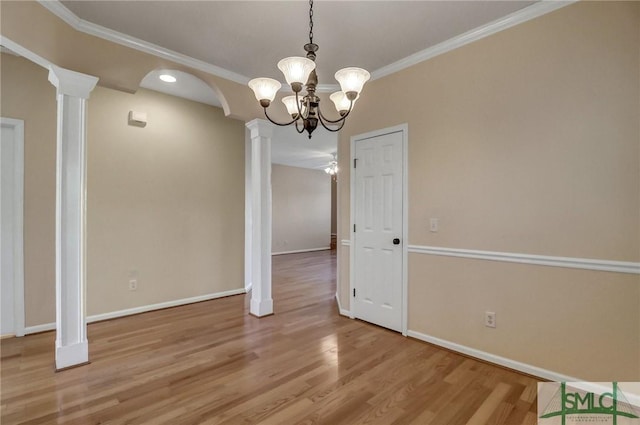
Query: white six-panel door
378	219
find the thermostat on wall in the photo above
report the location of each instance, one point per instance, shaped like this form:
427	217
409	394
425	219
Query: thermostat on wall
137	118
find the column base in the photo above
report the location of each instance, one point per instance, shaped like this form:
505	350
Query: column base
72	355
261	308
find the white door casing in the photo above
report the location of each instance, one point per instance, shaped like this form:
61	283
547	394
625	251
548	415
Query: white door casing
378	199
11	227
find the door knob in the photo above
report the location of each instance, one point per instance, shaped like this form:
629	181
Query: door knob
396	241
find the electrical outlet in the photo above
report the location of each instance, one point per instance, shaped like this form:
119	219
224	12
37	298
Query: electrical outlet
490	319
133	284
433	225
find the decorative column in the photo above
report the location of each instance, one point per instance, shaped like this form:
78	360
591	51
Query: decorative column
261	302
248	245
73	88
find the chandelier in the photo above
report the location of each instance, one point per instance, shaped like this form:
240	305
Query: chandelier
305	110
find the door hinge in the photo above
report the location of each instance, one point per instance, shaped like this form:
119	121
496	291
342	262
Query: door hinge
355	162
354	292
354	228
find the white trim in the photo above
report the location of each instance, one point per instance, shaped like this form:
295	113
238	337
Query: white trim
492	358
69	355
248	230
342	311
404	129
325	248
166	304
73	90
405	228
535	10
261	132
25	53
352	219
45	327
142	309
18	223
541	260
345	242
58	9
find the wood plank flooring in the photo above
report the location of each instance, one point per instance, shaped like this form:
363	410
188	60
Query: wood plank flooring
212	363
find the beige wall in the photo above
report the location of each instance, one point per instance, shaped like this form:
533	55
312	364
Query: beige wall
527	141
165	202
301	209
28	95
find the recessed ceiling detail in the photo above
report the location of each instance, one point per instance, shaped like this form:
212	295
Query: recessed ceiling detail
185	85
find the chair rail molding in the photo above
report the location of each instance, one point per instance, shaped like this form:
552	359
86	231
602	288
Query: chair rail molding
540	260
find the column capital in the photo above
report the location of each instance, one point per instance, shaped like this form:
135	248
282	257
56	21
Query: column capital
260	128
71	83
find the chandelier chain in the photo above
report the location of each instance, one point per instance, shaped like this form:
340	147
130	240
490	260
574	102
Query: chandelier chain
311	21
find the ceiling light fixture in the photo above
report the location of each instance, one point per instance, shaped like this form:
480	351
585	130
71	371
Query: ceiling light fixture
168	78
332	169
305	110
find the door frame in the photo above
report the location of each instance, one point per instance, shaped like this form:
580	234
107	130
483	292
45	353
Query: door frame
18	221
404	129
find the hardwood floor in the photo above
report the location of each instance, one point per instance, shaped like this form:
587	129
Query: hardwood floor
212	363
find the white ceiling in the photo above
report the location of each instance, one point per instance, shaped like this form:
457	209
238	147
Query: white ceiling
186	85
247	38
290	148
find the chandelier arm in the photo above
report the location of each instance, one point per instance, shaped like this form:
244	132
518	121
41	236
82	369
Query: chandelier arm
277	123
339	120
300	115
333	130
299	129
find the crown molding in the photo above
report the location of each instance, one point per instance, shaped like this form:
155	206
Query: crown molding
25	53
58	9
535	10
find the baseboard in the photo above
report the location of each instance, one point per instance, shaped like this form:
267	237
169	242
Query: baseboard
297	251
39	328
492	358
159	306
142	309
342	311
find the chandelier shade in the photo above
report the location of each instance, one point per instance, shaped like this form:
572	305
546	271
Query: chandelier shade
352	79
290	104
341	101
305	109
296	70
265	89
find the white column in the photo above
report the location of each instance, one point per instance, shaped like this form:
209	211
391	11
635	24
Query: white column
247	212
261	302
72	92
